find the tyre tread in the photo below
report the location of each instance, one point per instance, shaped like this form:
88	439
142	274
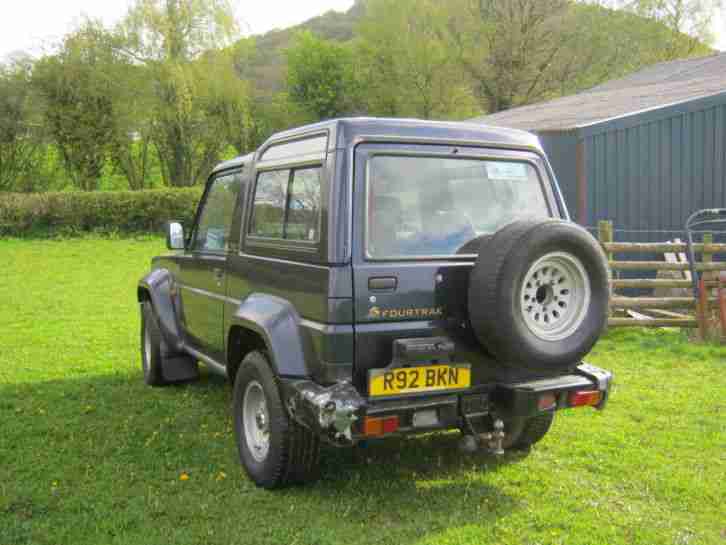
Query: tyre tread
534	430
298	457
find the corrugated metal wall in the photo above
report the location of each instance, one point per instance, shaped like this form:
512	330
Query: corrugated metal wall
651	175
646	172
560	149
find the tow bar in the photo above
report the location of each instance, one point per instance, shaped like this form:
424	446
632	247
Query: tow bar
492	441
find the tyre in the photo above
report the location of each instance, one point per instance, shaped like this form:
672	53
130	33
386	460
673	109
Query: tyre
152	347
274	450
522	433
538	294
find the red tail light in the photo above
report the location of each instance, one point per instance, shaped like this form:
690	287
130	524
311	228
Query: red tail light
375	427
585	398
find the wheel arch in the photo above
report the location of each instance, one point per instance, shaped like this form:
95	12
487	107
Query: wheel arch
157	288
241	341
270	323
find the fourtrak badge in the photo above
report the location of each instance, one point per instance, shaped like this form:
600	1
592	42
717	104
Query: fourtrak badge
378	313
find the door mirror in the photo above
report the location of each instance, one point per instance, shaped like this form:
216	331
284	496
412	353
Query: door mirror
174	235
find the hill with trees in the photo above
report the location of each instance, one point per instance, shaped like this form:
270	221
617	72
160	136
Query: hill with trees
156	100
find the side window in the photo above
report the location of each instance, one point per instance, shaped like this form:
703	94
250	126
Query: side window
287	205
215	219
268	214
303	216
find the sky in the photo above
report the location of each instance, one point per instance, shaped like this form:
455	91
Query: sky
32	25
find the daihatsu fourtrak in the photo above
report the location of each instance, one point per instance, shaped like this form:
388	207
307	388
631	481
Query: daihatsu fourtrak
361	278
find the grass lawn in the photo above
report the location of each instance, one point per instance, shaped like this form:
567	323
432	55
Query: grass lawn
89	455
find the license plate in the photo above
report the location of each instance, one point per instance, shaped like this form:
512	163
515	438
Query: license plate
415	380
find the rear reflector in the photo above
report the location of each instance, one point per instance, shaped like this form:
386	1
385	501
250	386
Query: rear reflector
584	398
374	427
546	401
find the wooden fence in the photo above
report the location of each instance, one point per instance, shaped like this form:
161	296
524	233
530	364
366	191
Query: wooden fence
668	310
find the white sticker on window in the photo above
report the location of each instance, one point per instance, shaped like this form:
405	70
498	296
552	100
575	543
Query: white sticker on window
506	171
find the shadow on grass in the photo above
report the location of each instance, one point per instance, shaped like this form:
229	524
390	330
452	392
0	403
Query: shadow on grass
89	430
431	457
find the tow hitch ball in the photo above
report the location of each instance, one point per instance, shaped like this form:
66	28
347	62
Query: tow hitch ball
490	441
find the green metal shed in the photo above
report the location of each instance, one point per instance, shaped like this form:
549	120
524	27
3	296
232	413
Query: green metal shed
643	151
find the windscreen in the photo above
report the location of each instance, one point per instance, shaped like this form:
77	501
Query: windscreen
434	206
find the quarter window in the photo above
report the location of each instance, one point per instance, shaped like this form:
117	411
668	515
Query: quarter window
287	205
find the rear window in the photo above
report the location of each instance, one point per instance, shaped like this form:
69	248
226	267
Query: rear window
434	206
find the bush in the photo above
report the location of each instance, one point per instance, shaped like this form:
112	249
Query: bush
74	213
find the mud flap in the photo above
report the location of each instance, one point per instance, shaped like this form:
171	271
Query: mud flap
179	368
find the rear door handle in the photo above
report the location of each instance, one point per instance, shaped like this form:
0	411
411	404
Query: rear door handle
218	274
382	283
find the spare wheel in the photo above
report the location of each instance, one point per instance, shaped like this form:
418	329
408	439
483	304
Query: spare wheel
538	294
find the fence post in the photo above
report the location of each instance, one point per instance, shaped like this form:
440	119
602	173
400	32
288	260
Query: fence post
605	234
703	307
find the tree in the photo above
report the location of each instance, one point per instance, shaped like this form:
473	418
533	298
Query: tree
405	66
78	93
20	128
176	41
688	20
517	52
131	146
319	76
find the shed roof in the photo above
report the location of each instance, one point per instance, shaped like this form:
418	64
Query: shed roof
657	86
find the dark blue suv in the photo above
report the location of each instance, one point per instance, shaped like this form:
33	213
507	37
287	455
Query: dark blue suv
360	278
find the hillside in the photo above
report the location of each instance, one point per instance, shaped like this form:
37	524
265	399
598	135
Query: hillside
267	66
641	42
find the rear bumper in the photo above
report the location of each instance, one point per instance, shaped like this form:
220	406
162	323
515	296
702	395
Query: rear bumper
337	412
522	398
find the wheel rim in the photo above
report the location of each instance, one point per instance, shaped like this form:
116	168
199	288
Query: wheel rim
555	296
256	421
146	360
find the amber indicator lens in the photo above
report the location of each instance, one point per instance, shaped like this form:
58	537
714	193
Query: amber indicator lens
585	398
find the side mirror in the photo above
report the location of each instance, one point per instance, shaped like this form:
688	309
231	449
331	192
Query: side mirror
174	235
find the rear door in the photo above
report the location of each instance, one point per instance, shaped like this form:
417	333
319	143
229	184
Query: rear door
203	269
420	213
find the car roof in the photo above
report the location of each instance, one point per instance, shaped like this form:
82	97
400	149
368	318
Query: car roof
345	132
237	162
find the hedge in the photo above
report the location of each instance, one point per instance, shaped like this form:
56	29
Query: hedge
73	213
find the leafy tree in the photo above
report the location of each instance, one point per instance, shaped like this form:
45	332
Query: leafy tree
517	52
319	75
405	66
21	143
78	96
232	96
687	20
176	41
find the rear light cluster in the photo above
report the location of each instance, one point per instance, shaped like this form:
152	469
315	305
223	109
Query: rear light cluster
584	398
376	427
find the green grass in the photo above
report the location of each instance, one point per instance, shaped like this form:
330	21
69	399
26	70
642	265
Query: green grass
89	455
